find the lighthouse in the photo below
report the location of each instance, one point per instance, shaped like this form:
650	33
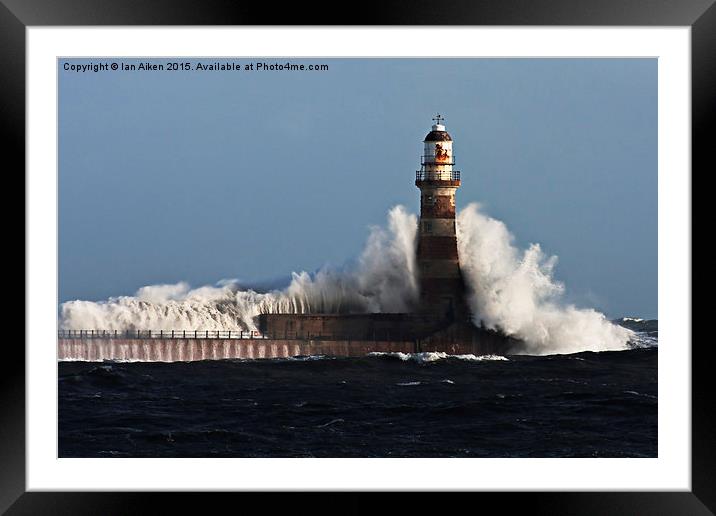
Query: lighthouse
442	289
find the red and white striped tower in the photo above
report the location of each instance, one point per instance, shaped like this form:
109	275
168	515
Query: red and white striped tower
442	289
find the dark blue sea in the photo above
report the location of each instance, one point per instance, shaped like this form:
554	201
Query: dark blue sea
580	405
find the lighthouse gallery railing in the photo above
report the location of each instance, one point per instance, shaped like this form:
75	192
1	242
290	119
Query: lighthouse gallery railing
451	175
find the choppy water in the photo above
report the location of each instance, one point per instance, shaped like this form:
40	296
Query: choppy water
581	405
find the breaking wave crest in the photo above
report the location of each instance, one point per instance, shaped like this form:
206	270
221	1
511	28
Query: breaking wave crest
514	291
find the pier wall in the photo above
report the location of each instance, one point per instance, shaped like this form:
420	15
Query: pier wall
188	350
456	339
369	327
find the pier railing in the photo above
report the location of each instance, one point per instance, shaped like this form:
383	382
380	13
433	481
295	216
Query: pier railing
378	335
159	334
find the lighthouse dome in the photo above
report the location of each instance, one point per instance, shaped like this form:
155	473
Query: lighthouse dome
438	134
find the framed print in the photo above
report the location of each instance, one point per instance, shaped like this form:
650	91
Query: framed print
234	285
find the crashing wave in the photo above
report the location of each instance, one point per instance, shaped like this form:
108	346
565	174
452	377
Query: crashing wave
509	290
514	291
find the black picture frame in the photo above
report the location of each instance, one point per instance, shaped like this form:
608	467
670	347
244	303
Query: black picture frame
700	15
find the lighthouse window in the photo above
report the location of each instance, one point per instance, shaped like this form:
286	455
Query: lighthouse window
427	227
429	199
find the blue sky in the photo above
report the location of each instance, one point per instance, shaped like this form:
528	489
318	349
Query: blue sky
198	176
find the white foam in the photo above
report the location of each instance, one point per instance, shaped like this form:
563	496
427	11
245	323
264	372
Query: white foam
479	358
643	340
434	356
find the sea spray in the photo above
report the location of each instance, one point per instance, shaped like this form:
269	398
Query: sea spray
514	291
382	281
